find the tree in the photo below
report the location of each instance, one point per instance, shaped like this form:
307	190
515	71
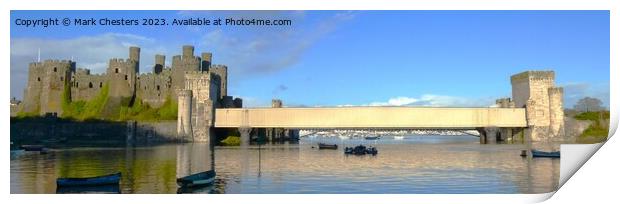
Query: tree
588	104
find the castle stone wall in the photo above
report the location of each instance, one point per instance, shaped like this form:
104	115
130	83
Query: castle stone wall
155	89
85	86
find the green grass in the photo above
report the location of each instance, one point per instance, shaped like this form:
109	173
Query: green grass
231	141
94	109
84	110
592	116
598	130
140	111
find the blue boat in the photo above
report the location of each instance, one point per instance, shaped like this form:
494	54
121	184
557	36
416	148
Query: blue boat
103	189
537	153
199	179
111	179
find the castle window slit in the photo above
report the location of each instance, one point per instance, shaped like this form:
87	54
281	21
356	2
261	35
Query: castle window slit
90	85
100	84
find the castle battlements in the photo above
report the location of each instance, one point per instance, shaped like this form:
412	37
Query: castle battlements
82	71
121	61
533	75
179	58
50	62
218	66
556	90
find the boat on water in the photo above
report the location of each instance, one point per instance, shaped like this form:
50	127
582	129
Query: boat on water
537	153
399	137
102	189
328	146
360	150
110	179
372	138
344	137
199	179
199	189
32	147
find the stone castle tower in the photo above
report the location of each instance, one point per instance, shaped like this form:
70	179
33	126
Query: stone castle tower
47	81
536	92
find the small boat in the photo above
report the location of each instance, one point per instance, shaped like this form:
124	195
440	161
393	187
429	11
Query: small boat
199	189
110	179
199	179
31	147
328	146
537	153
372	138
399	137
344	137
372	150
103	189
44	151
360	150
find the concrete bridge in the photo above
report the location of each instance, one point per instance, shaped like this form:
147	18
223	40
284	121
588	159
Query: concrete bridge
370	117
535	112
488	121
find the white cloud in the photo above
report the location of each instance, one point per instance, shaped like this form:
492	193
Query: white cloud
431	100
92	52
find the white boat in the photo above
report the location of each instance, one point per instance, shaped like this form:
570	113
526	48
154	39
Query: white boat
399	137
344	137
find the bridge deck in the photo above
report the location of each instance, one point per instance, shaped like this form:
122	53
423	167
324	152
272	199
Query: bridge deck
370	117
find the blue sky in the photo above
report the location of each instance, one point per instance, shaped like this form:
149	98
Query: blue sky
331	58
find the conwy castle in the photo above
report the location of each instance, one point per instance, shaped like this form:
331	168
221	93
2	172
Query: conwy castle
199	86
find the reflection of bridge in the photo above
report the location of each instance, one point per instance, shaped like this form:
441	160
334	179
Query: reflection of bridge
534	112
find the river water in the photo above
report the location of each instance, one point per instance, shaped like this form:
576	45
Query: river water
416	164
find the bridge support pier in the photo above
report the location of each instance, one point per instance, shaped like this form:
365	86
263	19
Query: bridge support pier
245	135
491	135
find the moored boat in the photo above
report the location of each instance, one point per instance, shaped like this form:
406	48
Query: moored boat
102	189
360	150
399	137
328	146
199	179
372	138
537	153
32	147
110	179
